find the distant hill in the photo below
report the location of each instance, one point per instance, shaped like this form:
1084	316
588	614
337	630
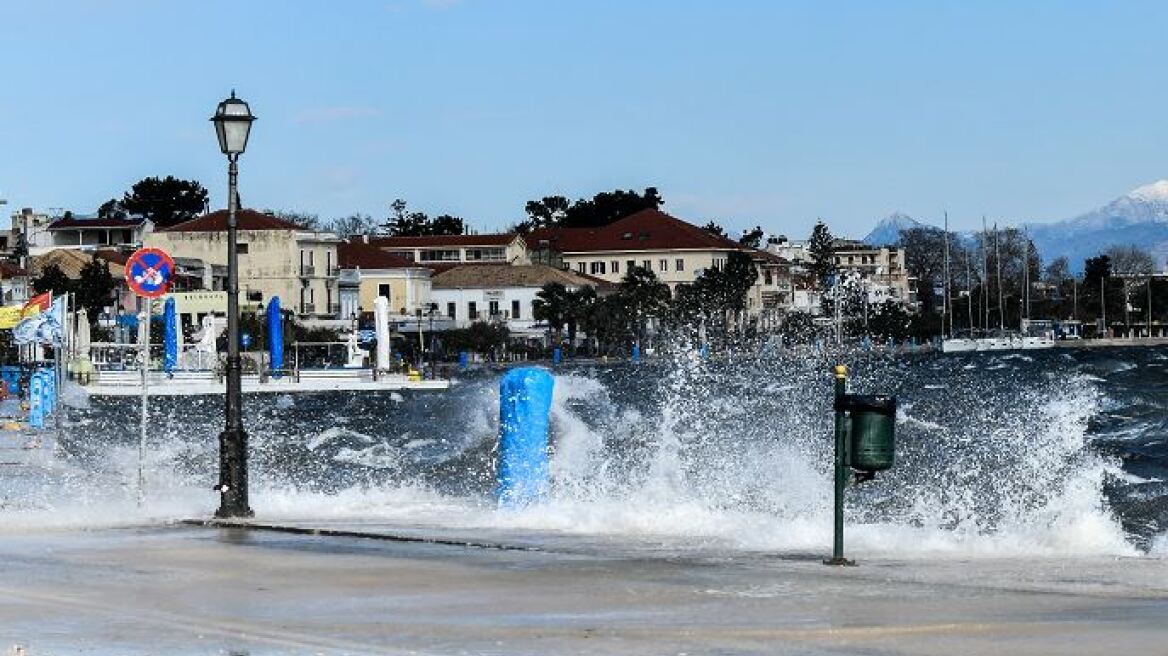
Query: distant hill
1140	218
887	232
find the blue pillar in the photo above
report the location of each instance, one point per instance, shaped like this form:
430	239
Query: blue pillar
704	351
636	351
36	414
525	404
169	337
463	359
557	355
275	337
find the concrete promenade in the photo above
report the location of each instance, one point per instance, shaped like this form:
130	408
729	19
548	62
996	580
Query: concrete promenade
206	590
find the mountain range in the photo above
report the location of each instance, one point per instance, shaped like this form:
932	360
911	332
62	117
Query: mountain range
1139	217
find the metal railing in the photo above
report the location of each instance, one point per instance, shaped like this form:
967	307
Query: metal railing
307	271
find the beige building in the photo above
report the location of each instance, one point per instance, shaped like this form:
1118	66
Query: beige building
276	258
451	249
882	268
676	251
368	272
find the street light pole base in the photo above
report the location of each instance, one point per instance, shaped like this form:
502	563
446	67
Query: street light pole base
233	471
839	562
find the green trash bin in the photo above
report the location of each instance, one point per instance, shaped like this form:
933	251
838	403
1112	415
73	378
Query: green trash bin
871	431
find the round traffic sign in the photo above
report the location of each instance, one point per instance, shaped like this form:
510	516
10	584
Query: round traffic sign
149	272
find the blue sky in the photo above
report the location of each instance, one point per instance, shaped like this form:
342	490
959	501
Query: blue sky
772	113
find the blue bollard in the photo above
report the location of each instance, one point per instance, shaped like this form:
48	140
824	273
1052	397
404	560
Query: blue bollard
50	389
36	414
636	351
557	355
704	351
463	359
525	404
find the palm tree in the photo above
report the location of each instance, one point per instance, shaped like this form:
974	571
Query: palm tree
552	304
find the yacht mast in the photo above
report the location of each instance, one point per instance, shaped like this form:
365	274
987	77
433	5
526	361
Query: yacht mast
1001	298
985	278
945	310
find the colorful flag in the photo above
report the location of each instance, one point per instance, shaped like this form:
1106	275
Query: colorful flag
38	304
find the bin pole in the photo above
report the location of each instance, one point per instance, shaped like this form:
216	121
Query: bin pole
841	474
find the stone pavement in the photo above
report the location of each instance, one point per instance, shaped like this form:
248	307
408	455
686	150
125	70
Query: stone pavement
206	590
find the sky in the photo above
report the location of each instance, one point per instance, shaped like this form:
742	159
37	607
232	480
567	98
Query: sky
750	112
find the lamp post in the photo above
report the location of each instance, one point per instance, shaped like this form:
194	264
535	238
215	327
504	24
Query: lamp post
233	119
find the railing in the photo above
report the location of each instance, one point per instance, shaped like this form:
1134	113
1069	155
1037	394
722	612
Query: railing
333	272
334	309
307	271
307	308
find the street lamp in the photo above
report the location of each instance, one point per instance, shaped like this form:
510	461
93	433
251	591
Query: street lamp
233	119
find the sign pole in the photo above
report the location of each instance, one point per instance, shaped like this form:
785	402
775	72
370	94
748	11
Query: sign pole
144	308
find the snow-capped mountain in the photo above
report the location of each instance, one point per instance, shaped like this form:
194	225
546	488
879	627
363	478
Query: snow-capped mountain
1139	217
887	232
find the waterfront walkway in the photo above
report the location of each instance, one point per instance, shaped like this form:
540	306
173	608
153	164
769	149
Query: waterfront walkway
207	590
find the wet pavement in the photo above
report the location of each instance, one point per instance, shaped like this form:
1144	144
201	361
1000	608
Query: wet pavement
207	590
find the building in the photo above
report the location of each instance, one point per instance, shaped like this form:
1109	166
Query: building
881	270
448	249
276	258
484	292
368	272
14	283
92	232
676	251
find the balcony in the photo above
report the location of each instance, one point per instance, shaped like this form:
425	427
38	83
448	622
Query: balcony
307	271
333	272
307	308
334	309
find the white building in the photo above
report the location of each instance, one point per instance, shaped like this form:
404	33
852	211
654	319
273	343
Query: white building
486	292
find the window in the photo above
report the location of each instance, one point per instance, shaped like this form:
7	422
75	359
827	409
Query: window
472	311
679	264
615	266
241	249
663	265
514	309
493	308
629	264
647	265
579	267
450	310
766	276
719	263
485	254
383	290
440	256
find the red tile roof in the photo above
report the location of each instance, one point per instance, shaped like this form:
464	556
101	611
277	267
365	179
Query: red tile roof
10	270
74	223
494	276
247	220
428	241
353	254
647	230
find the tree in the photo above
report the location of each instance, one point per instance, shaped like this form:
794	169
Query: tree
924	250
354	224
94	287
752	238
644	297
602	209
404	223
551	305
822	253
715	229
111	209
165	201
304	220
580	302
1130	260
52	279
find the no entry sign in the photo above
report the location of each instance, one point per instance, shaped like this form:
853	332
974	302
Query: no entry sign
149	272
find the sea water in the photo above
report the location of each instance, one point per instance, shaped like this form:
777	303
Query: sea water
1044	453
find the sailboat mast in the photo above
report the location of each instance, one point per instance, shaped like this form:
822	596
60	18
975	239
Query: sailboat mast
946	311
985	270
1001	298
